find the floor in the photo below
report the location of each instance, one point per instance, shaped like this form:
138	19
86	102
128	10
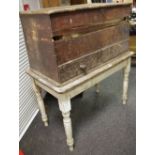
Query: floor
101	124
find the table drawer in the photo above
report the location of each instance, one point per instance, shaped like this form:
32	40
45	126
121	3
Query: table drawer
88	62
70	48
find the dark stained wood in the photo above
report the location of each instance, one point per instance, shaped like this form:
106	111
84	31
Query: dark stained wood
89	42
59	40
40	48
86	28
74	2
97	58
87	17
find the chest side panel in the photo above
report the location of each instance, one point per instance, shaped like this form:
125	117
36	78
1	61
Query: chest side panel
38	33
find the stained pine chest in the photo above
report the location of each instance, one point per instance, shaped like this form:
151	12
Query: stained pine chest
65	43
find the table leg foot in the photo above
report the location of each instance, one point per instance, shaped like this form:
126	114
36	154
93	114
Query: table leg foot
68	129
46	123
97	88
65	107
124	101
126	81
71	148
40	104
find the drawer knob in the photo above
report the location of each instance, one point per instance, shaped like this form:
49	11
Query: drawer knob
83	67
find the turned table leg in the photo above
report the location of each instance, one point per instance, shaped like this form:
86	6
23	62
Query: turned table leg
126	81
65	107
97	88
40	104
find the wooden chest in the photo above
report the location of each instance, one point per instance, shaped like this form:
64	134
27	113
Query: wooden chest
65	43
